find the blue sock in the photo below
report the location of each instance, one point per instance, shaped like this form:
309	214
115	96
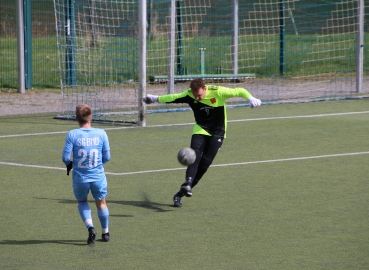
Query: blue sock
85	213
104	219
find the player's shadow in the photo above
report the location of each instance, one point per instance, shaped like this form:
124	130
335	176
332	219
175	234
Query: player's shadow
59	200
145	203
158	207
38	242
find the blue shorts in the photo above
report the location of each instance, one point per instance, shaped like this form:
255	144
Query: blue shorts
99	189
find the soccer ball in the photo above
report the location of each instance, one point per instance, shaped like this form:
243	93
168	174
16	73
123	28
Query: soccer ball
186	156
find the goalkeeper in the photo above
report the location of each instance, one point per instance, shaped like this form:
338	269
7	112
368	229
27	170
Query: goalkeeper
208	103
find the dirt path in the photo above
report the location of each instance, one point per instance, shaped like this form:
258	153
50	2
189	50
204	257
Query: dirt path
31	102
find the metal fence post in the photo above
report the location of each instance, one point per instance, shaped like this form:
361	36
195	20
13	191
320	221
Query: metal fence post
70	30
20	47
28	43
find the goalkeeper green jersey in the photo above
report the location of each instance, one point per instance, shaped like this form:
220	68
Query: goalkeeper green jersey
210	112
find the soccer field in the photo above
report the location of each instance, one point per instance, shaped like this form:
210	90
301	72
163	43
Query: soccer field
288	190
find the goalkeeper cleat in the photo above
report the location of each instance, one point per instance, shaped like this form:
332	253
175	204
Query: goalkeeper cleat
186	187
186	190
177	200
105	237
91	235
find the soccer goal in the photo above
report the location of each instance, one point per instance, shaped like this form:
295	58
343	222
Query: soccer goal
112	51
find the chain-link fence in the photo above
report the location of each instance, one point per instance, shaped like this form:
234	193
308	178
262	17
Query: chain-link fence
45	62
45	65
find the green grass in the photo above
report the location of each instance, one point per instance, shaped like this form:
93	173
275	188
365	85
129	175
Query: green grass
291	214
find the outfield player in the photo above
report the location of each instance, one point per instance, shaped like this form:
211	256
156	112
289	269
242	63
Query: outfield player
90	149
208	103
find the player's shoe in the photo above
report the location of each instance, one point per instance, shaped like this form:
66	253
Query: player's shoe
186	190
105	237
177	200
186	187
91	235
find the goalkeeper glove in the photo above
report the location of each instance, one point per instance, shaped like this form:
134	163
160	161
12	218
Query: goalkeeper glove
69	167
150	99
254	102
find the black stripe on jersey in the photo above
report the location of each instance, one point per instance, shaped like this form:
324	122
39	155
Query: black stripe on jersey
208	117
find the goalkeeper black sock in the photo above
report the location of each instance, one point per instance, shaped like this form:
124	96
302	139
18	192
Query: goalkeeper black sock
188	182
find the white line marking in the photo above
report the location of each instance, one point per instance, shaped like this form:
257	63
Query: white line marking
32	134
187	124
299	116
216	165
31	166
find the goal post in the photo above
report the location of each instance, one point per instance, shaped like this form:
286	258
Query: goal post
142	62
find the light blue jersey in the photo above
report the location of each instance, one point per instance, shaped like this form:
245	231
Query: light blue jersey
90	150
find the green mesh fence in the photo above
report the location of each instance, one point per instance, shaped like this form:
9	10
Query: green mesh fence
45	63
8	45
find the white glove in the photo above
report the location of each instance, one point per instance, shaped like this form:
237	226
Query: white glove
254	102
150	99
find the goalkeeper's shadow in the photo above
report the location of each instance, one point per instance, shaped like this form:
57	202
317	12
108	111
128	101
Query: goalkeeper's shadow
147	204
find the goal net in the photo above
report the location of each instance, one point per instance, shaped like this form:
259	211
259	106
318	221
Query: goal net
280	50
97	44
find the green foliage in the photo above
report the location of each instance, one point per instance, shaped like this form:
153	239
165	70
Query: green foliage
297	214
